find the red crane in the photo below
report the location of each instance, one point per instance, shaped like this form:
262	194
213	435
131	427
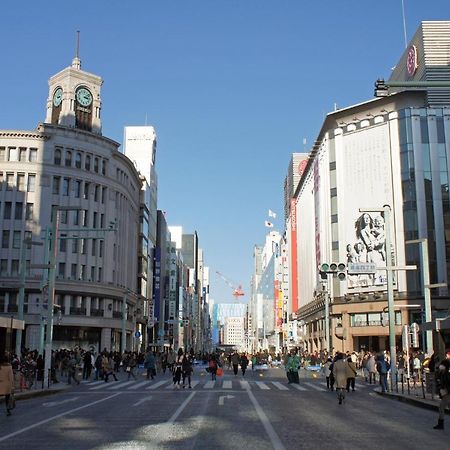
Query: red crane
237	291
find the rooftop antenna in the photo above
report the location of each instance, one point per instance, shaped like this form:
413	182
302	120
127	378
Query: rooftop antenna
145	119
78	44
404	23
76	63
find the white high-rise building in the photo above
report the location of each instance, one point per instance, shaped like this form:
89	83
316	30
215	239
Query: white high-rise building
234	332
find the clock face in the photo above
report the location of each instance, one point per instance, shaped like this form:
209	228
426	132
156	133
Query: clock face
57	97
84	97
411	60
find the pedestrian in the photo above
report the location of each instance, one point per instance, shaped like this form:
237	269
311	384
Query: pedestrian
292	366
244	363
131	366
443	384
383	368
170	360
178	368
72	370
87	365
98	367
327	371
186	368
235	362
149	364
6	382
371	368
212	366
352	372
108	367
341	372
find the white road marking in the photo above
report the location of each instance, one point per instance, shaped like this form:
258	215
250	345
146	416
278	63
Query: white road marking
142	400
120	385
222	399
245	384
262	385
210	384
103	386
180	409
273	436
227	384
67	400
94	383
280	386
297	386
34	425
138	385
194	383
314	386
156	385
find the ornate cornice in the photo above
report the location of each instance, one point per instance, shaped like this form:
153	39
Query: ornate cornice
24	134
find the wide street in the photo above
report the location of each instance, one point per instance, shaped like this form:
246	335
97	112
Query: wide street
255	412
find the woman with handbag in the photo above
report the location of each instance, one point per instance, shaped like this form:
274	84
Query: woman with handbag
7	383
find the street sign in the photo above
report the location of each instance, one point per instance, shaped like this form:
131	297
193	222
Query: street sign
137	334
361	268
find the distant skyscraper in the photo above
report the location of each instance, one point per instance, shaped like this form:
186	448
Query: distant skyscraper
295	170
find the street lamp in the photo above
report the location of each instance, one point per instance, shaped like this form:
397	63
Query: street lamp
53	241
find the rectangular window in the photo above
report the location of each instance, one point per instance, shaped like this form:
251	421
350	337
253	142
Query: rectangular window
83	246
96	165
82	272
5	239
62	269
85	217
100	250
3	267
63	216
56	184
94	247
76	217
77	188
9	181
102	221
62	245
96	193
18	212
20	182
7	211
33	155
86	191
31	187
94	220
29	211
16	239
22	154
68	160
13	154
2	153
73	271
27	237
103	194
15	267
92	273
99	276
66	186
87	162
74	245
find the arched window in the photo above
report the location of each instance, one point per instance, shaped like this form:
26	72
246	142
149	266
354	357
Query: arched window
78	160
96	165
68	159
87	162
103	167
57	157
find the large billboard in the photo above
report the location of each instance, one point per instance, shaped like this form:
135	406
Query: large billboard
363	164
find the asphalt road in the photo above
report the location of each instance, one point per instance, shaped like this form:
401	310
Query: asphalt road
255	412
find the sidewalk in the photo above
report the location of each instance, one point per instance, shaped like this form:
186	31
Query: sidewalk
38	391
415	397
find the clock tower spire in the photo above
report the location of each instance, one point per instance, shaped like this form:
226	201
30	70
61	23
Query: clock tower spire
74	98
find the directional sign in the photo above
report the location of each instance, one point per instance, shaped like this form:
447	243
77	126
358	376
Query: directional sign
137	334
223	397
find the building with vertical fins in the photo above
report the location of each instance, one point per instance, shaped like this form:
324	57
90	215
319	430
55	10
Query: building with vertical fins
66	161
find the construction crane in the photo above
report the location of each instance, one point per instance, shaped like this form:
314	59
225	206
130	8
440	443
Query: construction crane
237	291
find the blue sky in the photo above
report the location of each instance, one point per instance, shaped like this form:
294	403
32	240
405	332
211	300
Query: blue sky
232	88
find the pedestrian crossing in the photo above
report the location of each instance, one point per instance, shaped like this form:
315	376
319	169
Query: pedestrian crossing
167	384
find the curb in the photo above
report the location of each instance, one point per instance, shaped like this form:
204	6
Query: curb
411	401
27	395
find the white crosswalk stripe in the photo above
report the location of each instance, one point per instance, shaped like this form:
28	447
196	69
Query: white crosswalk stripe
102	386
245	384
119	385
298	386
262	385
280	386
209	385
138	385
227	384
314	386
156	385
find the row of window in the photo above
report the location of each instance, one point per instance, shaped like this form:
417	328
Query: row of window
22	154
20	181
80	272
81	246
16	210
70	158
81	189
16	238
81	217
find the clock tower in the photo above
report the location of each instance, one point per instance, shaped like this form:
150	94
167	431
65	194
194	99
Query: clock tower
74	98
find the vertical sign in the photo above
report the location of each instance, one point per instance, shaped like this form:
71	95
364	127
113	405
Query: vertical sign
157	284
294	280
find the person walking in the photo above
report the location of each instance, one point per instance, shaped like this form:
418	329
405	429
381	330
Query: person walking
443	384
371	368
341	372
327	371
6	382
235	362
352	372
131	366
72	368
244	363
212	366
108	367
186	368
292	366
87	365
178	368
149	364
383	369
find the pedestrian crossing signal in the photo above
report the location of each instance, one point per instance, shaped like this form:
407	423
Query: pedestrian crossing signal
337	269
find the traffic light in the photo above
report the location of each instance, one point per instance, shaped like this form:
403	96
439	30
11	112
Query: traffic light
337	269
414	330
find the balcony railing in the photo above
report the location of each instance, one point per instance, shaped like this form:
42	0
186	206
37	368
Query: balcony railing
77	311
117	315
97	312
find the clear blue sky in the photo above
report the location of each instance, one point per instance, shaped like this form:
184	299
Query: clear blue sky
232	88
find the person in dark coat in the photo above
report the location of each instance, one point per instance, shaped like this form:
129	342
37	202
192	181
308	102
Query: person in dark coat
444	391
150	364
244	363
186	369
6	382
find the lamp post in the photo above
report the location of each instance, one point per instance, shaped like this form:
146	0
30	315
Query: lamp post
424	263
53	241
